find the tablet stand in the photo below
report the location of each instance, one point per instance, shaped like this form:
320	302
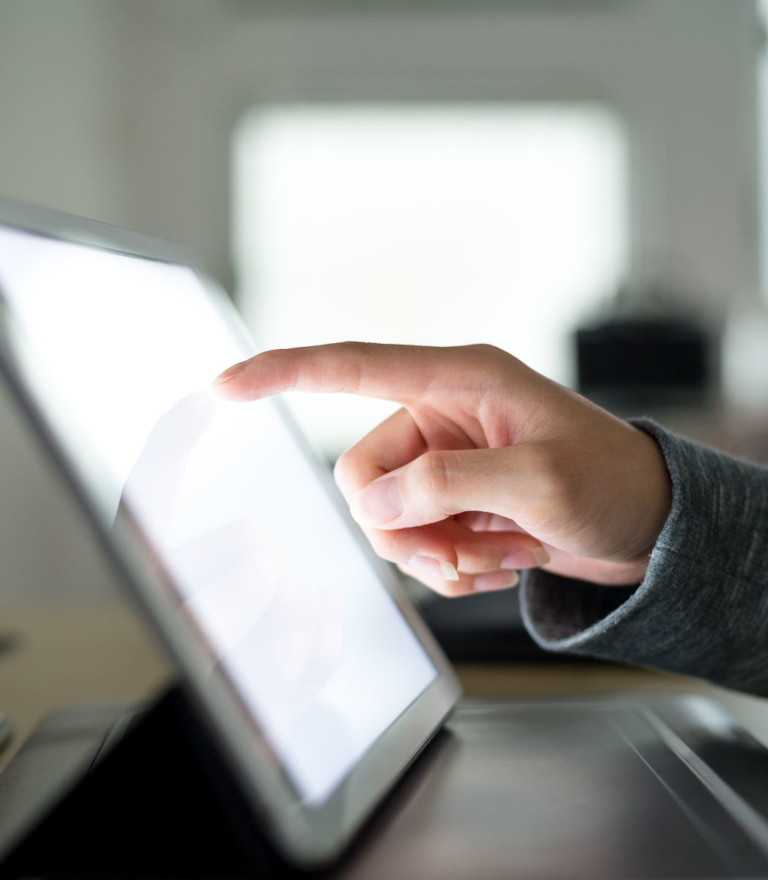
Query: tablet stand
161	803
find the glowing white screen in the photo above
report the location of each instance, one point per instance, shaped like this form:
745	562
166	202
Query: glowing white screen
263	563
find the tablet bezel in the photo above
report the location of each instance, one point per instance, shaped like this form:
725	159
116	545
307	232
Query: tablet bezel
306	834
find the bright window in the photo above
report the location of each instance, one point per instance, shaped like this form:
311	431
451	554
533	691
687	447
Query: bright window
435	224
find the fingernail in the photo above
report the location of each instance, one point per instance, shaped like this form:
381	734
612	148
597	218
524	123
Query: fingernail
428	564
378	503
229	374
531	557
495	580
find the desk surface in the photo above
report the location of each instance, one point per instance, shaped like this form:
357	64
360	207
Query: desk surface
62	654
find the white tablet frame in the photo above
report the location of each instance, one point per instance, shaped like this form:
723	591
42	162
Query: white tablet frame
307	835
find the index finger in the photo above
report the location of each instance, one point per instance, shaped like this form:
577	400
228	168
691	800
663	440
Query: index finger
392	372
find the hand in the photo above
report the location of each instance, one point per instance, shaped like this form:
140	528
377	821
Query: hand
488	467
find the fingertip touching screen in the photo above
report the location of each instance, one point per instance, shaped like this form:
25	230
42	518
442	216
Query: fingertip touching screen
274	587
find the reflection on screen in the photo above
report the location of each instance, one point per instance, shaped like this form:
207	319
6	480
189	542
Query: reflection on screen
279	593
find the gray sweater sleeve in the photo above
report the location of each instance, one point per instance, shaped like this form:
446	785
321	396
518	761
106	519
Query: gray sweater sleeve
703	606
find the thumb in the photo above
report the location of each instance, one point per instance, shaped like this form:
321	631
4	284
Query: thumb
442	483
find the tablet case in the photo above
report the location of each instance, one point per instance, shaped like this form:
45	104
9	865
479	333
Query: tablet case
159	803
673	788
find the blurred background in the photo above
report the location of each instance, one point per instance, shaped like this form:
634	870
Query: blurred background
580	182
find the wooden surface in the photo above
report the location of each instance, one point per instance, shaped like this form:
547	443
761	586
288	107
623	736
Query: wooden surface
63	654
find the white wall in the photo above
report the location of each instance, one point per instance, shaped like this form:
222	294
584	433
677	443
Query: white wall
121	110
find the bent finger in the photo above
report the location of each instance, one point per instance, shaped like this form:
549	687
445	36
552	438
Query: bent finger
391	444
480	552
430	542
441	484
452	546
464	585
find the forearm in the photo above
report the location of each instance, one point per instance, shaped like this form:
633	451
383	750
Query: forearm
702	608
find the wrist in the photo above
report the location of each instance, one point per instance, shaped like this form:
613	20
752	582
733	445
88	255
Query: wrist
652	495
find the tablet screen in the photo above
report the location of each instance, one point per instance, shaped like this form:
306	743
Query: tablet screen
276	590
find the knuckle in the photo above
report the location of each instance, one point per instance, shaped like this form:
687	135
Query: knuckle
486	349
452	590
476	560
491	365
557	482
341	362
431	475
485	357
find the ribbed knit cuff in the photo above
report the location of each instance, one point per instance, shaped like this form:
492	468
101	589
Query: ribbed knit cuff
702	608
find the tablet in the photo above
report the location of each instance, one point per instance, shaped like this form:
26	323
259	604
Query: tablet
312	669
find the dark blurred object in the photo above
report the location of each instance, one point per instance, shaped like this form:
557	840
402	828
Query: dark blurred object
645	348
644	360
9	641
485	628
